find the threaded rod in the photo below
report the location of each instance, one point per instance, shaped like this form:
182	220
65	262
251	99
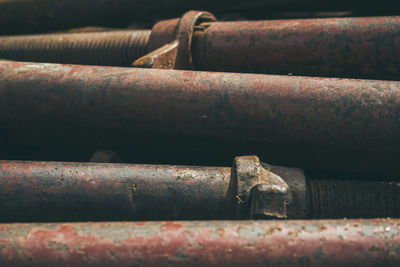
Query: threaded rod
113	48
360	199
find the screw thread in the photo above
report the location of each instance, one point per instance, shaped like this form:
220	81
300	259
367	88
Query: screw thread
352	199
112	48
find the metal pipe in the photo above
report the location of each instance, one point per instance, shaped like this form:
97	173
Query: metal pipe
56	191
342	47
200	243
336	47
43	102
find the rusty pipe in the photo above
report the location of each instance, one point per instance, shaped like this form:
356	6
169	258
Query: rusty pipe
341	47
200	243
44	102
56	191
336	47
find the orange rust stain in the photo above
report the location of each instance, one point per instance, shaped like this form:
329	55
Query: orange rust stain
172	226
221	232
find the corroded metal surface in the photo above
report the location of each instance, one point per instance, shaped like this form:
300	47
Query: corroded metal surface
268	192
56	191
251	243
178	53
111	48
70	102
333	198
340	47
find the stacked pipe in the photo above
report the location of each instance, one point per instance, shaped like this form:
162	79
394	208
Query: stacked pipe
147	87
338	47
107	105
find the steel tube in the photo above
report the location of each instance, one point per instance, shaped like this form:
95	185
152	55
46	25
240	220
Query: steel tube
55	191
199	243
49	101
337	47
61	191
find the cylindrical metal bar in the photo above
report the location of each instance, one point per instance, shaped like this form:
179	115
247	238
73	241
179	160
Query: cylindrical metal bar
200	243
111	48
55	191
40	101
52	191
339	47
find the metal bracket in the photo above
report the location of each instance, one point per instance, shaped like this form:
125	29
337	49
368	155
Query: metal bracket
259	191
171	41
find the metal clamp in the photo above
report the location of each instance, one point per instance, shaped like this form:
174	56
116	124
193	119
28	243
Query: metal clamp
178	33
259	191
